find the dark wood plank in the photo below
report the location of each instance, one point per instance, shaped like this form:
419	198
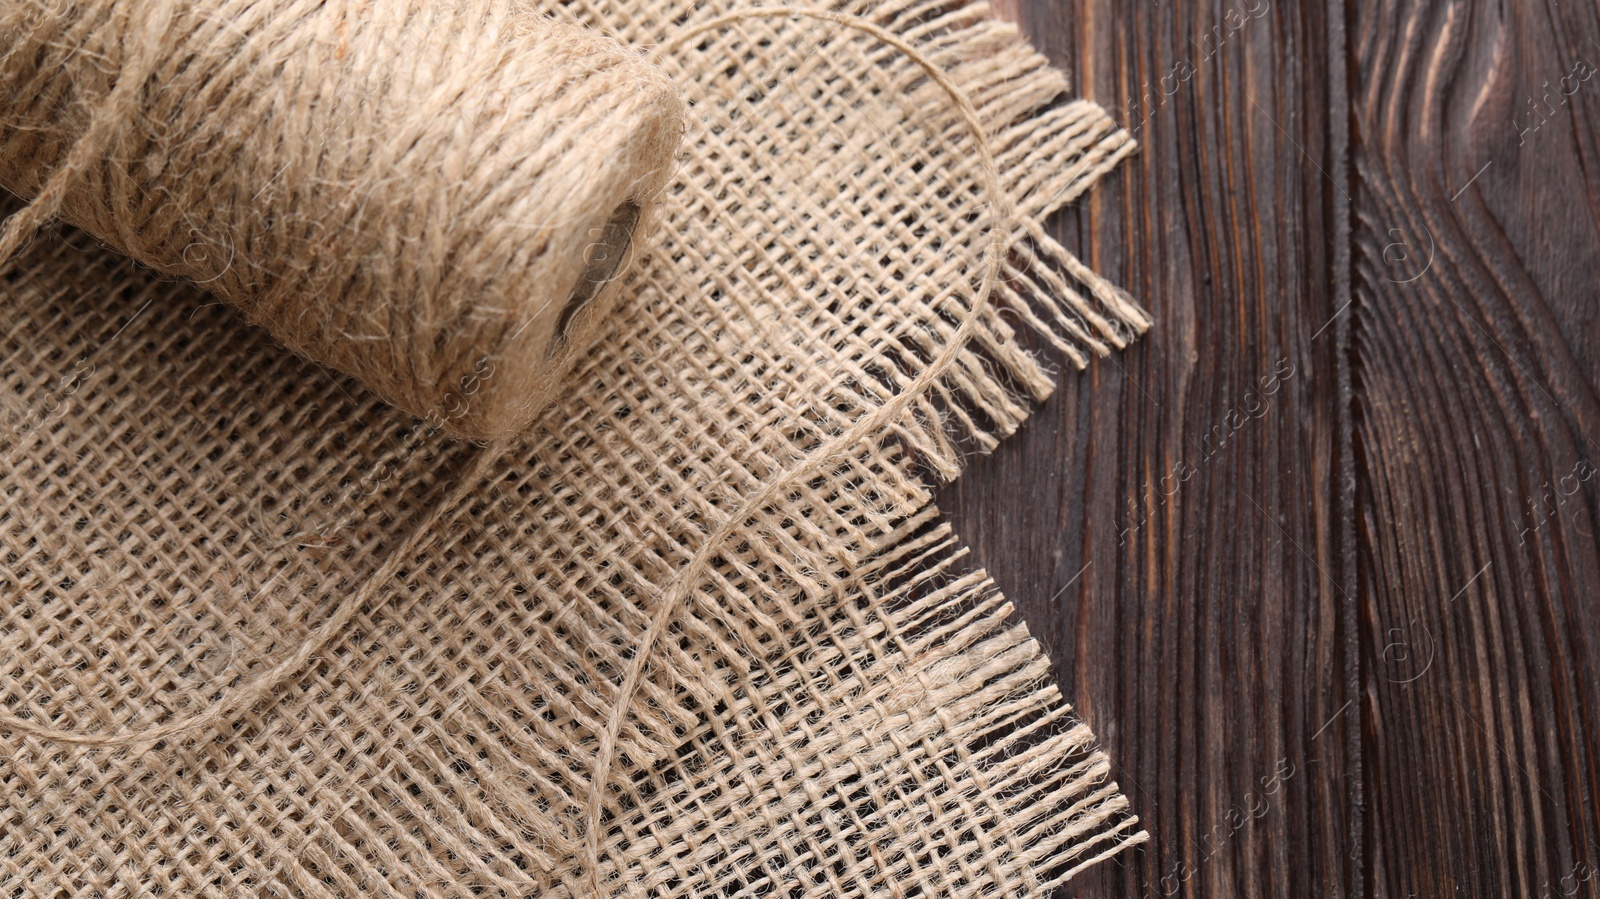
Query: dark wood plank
1388	581
1477	428
1205	634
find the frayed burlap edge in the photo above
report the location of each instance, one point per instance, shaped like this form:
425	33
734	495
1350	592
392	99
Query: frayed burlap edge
1037	783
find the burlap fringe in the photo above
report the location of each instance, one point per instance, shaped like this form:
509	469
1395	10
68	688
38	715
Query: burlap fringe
1039	788
1057	804
1017	93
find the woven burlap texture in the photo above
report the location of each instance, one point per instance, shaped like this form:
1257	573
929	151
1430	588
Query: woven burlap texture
843	708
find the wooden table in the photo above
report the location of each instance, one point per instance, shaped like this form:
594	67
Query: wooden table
1342	636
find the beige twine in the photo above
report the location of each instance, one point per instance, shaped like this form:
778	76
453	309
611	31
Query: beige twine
406	192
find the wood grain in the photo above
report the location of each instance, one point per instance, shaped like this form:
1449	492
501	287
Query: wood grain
1342	637
1476	391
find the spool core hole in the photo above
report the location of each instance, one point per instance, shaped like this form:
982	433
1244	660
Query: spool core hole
603	262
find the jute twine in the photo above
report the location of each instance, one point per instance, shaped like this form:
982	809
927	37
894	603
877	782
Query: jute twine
431	197
743	657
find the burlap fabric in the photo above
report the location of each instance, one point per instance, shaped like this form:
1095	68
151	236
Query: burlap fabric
842	708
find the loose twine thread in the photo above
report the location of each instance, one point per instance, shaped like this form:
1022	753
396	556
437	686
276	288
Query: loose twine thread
26	223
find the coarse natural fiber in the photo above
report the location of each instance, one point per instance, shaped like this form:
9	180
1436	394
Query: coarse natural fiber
416	194
697	632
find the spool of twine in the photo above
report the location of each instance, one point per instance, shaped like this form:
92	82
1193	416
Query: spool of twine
432	197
